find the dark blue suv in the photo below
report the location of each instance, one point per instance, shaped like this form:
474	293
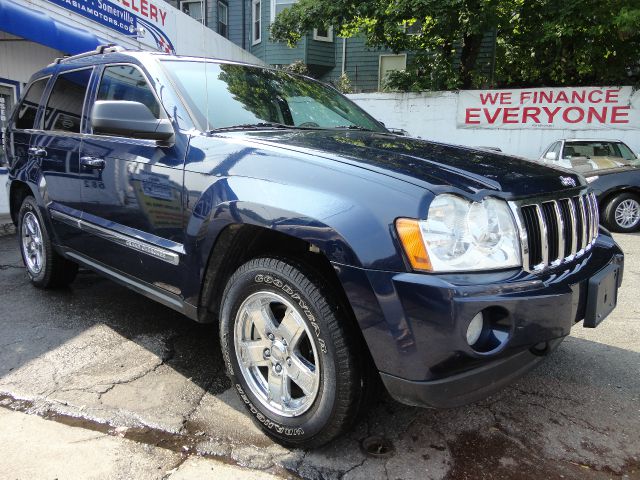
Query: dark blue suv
332	252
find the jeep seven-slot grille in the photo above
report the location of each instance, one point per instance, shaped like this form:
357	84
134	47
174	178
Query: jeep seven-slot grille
553	231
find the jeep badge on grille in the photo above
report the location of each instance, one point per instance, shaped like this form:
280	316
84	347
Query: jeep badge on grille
568	181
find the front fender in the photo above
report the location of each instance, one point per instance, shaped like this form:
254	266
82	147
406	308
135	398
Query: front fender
346	211
346	231
313	216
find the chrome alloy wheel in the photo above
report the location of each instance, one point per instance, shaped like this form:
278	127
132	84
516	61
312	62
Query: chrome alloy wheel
628	213
32	247
276	354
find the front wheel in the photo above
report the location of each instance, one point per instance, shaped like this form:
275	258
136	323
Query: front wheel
622	213
290	352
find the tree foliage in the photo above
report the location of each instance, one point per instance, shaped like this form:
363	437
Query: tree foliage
298	67
343	84
539	42
583	42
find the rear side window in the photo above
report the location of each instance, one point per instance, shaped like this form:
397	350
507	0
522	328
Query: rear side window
26	112
126	82
64	108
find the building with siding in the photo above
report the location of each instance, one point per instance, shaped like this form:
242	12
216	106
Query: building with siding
246	23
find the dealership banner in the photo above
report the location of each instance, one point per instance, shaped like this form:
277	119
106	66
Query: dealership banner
143	20
568	108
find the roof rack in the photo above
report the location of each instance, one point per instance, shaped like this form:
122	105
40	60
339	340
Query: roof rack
108	48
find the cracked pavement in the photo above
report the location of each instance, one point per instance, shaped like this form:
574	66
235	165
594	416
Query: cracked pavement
105	359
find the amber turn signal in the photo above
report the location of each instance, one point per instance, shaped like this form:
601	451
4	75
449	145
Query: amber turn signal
409	233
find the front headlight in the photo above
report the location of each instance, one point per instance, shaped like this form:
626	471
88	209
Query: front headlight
459	235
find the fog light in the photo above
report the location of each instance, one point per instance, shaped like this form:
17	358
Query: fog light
475	329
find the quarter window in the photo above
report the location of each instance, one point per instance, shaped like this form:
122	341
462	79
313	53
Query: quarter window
126	82
256	21
26	112
64	108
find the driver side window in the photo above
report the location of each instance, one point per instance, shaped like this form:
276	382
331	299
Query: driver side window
126	82
551	155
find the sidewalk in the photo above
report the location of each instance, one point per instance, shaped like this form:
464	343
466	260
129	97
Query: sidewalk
45	449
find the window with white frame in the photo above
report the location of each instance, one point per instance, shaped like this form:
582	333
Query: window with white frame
223	19
279	5
388	64
256	21
323	34
193	8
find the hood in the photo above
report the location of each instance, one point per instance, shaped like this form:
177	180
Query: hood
627	169
422	162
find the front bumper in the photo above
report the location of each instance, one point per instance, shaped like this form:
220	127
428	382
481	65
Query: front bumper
466	387
415	324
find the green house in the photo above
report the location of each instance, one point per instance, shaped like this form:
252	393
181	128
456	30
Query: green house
246	23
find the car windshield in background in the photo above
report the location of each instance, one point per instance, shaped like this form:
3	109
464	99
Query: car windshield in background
588	156
224	96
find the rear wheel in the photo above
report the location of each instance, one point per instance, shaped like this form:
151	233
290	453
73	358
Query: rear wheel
622	213
290	352
46	268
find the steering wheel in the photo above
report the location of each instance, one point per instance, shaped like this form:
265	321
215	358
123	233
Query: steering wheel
309	124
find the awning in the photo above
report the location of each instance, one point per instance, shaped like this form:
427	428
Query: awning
41	28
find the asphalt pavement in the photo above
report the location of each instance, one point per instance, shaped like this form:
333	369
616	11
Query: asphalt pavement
117	385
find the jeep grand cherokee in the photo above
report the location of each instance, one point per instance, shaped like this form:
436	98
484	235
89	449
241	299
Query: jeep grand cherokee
331	252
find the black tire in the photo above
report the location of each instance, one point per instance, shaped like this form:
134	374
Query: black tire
336	404
54	270
618	201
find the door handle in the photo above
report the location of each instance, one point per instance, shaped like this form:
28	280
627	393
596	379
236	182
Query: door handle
92	162
37	152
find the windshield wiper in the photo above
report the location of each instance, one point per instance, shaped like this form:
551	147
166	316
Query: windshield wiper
254	126
352	127
250	126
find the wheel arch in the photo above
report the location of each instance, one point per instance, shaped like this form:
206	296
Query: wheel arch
237	243
18	191
607	196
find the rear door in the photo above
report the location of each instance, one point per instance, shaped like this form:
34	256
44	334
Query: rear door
133	206
22	123
55	146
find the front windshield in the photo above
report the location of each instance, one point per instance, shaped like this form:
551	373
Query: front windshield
587	156
225	96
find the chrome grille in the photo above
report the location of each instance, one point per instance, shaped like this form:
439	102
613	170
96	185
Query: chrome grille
555	230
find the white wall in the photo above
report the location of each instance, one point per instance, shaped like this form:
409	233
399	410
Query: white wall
19	59
432	116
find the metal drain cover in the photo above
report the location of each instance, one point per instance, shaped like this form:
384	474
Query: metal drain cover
378	447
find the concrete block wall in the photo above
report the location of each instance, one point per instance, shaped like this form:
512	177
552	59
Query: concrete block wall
432	116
